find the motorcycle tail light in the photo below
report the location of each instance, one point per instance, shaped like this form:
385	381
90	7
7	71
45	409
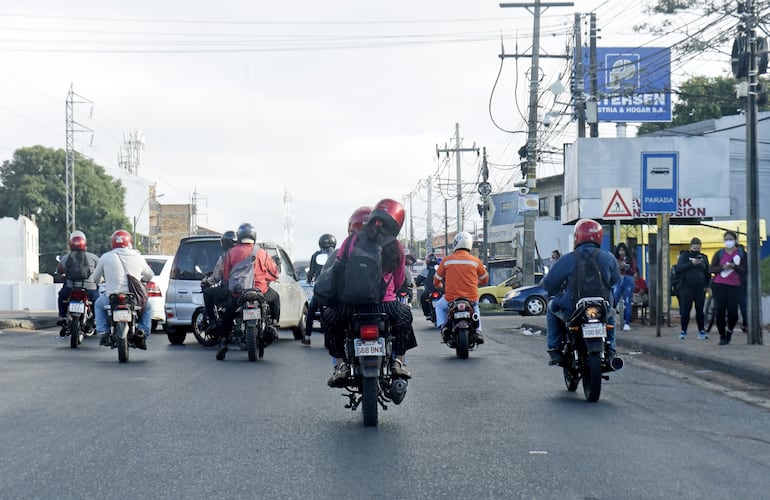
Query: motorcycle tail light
435	295
153	290
593	313
461	306
121	298
250	305
78	294
370	332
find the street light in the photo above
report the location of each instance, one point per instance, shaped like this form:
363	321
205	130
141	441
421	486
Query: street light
141	209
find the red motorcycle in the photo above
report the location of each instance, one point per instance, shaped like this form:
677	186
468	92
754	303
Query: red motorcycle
80	316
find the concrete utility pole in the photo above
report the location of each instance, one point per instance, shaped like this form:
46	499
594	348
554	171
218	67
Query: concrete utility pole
69	172
429	217
592	69
579	90
484	190
457	150
528	264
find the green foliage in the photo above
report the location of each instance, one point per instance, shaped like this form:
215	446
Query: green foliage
700	98
33	183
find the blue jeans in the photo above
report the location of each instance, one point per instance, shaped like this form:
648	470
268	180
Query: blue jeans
625	287
100	315
442	308
556	323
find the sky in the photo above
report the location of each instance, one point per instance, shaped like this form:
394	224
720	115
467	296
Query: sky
332	105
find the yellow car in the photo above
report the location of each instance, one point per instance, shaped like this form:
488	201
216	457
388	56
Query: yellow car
493	294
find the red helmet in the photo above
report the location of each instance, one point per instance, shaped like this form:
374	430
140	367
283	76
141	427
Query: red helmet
390	214
77	240
356	221
121	239
588	230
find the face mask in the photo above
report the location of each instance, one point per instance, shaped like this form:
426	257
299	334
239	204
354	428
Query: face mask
729	243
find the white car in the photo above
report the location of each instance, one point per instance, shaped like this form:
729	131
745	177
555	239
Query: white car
157	288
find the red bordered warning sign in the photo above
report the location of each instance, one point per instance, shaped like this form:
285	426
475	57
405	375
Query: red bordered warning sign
617	207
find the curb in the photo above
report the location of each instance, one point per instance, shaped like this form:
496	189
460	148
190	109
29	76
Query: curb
28	323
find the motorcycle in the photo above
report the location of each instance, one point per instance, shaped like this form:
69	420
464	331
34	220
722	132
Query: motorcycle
371	385
123	317
403	297
80	317
248	328
201	321
585	351
462	326
435	295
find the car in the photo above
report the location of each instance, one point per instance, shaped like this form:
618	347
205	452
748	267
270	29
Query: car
530	300
494	294
196	256
158	286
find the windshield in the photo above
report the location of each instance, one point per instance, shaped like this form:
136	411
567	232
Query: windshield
203	254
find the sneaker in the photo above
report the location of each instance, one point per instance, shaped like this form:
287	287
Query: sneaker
444	334
306	341
728	336
479	338
399	369
626	327
703	335
61	322
63	332
557	358
140	340
105	340
682	335
270	333
340	375
222	352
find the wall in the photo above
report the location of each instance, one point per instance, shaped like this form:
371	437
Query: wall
32	297
19	249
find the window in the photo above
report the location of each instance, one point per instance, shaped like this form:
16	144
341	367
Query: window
543	211
557	207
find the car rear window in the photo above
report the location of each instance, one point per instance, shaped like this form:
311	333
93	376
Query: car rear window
203	254
156	265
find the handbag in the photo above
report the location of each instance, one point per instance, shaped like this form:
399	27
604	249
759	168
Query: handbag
136	288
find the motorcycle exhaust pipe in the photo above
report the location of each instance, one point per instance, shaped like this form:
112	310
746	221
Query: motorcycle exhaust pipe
616	363
398	390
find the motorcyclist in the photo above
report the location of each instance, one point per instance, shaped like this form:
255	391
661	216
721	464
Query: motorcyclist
460	273
383	224
113	267
326	245
588	238
77	254
265	271
425	280
215	295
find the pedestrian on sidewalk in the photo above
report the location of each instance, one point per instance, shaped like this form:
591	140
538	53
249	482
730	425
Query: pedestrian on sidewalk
728	267
694	277
624	289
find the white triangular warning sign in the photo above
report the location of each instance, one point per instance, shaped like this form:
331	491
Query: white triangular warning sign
617	207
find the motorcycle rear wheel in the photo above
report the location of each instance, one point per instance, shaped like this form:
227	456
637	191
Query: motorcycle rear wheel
121	338
571	376
200	322
74	332
462	343
251	342
369	393
592	377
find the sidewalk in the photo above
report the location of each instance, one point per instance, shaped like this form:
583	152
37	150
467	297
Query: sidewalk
28	320
739	359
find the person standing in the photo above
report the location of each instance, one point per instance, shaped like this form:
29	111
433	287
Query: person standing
694	277
728	267
624	289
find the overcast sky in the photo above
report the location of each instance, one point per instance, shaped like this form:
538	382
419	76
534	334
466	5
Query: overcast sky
341	103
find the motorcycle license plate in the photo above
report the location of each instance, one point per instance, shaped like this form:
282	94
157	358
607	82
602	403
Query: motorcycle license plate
77	307
594	330
462	315
373	348
249	314
121	315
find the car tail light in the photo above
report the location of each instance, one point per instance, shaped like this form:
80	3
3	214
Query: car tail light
370	332
153	290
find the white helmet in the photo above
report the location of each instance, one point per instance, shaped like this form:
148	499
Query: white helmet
463	240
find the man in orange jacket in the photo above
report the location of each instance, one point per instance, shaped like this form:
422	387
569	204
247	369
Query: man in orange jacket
460	273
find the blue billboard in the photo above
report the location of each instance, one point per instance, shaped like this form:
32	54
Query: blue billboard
633	84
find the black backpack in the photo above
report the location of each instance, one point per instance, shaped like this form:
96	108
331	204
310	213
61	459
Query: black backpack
587	279
77	268
362	281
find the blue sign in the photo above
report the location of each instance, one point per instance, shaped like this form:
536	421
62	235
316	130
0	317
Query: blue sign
660	182
506	209
633	84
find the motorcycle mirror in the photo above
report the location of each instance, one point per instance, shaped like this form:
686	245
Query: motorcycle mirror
198	269
58	258
321	259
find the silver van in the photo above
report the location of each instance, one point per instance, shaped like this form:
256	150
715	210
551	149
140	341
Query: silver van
197	256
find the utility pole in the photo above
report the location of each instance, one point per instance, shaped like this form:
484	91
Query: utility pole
484	190
411	224
592	69
580	105
69	169
528	264
429	217
446	228
457	150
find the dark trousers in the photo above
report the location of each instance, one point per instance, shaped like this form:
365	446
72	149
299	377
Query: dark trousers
726	299
425	302
687	296
273	301
312	308
212	296
336	321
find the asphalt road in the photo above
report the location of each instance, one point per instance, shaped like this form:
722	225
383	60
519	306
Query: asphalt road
176	423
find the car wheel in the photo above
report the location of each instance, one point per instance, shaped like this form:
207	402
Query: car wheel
299	330
535	306
487	299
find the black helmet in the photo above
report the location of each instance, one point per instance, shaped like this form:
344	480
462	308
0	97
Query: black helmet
228	240
431	260
327	241
247	233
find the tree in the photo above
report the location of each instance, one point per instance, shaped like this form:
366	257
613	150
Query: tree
33	183
700	98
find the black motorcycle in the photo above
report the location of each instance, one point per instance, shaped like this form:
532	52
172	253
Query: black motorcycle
249	325
123	318
585	352
461	327
80	316
369	349
201	322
